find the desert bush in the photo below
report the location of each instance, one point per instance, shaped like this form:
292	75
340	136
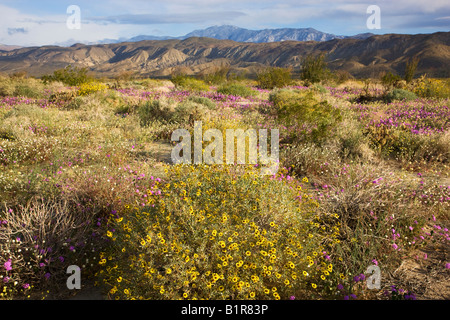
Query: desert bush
371	228
203	100
274	78
401	144
217	77
431	88
189	112
71	76
90	87
189	83
7	87
317	87
308	118
218	233
73	104
236	89
399	94
314	69
390	81
410	69
155	110
38	241
28	87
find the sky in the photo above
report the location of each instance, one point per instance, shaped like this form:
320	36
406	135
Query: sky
37	23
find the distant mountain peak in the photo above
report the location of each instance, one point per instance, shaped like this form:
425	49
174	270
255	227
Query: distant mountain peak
238	34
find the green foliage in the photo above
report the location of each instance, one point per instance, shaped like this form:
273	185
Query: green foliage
7	88
154	110
189	112
204	101
189	83
410	69
400	94
71	76
306	116
217	77
314	69
274	78
217	232
390	81
236	89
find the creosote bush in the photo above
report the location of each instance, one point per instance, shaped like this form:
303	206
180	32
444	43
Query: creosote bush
306	117
274	78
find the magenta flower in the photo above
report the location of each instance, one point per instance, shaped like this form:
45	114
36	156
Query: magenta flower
395	246
7	265
447	266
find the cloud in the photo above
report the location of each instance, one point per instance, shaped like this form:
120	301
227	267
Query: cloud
146	19
12	31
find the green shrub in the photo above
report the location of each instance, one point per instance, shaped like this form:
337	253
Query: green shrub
204	101
219	232
7	88
25	90
400	94
189	112
155	110
274	78
235	89
308	118
314	69
74	104
189	83
71	76
410	69
390	81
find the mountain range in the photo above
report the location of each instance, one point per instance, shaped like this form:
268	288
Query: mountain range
228	32
360	56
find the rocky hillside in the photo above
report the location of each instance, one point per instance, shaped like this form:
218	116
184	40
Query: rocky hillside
158	58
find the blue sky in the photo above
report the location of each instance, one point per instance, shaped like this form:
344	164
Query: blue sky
29	23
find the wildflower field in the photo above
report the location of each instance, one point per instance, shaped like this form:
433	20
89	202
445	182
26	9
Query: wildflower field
86	180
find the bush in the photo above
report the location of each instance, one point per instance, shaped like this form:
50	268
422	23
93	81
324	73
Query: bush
189	112
155	110
314	69
274	78
432	88
38	241
71	76
7	88
400	94
307	118
410	69
189	83
25	90
90	87
235	89
204	101
219	233
390	81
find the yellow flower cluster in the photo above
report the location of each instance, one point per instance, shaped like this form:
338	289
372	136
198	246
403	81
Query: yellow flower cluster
90	87
213	233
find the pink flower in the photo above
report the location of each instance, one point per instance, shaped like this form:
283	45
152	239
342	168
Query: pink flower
395	246
447	266
7	265
375	262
